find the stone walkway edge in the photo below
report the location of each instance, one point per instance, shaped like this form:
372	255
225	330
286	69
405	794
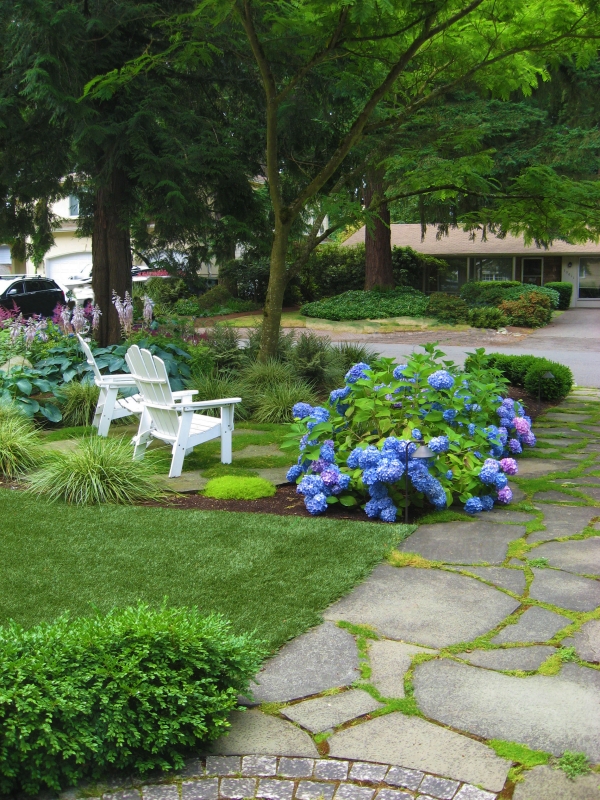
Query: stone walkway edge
283	778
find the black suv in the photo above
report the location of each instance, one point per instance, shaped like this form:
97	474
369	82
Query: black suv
31	296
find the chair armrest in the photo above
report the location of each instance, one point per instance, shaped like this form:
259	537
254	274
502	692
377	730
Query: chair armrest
184	393
228	401
112	381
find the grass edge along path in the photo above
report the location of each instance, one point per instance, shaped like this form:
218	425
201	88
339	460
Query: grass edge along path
264	572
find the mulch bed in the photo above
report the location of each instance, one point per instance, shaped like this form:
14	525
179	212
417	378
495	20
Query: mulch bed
533	407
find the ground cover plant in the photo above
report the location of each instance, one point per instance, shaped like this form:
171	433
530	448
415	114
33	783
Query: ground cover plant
66	687
236	487
404	301
360	447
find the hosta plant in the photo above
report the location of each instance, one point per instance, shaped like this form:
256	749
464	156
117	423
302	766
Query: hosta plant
359	448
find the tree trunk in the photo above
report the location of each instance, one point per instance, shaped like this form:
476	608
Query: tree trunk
378	243
111	255
278	280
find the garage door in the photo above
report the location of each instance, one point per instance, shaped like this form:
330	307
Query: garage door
61	268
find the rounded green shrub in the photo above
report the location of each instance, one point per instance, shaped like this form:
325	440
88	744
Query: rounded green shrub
532	310
487	317
554	388
527	288
400	302
99	470
233	487
486	293
186	306
19	442
135	689
217	296
78	402
165	290
201	360
514	368
447	308
565	292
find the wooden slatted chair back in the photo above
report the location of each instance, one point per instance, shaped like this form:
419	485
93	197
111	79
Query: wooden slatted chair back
152	379
89	357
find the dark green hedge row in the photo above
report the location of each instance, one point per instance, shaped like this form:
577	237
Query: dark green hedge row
401	302
527	373
565	291
492	293
134	689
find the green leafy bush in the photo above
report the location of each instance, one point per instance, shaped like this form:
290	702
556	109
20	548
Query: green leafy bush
225	343
527	288
135	689
99	470
165	290
400	302
548	388
78	401
486	293
217	296
232	487
351	353
532	310
487	317
317	361
186	306
565	291
201	359
447	308
514	368
19	442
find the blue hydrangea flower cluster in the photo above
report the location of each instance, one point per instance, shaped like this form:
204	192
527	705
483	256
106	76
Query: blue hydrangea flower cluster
326	479
439	444
441	379
357	372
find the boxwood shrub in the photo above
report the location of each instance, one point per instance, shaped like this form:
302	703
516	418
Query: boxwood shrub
530	310
492	293
447	308
525	372
135	689
400	302
487	317
565	291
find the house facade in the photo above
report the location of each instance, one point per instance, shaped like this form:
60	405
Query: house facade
496	259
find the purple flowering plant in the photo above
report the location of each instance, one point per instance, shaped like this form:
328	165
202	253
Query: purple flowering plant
358	447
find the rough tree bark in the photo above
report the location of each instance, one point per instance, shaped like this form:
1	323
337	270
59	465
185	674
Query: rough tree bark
278	280
378	244
111	254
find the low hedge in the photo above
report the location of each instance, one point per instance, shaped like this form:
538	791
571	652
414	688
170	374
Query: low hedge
492	293
400	302
447	308
531	310
135	689
526	372
487	317
565	292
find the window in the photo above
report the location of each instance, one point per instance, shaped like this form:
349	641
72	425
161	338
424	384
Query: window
589	278
532	271
452	278
493	269
73	206
16	288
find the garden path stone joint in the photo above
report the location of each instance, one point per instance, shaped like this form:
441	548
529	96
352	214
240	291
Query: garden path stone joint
495	635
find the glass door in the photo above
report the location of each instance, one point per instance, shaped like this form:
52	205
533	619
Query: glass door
532	271
589	278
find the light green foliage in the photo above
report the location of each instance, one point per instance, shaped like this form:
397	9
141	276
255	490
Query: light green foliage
233	487
274	404
79	400
19	442
519	753
567	653
67	689
540	563
401	302
447	308
99	470
574	764
526	371
487	318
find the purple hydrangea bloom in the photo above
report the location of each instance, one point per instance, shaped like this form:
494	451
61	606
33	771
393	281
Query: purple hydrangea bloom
318	466
505	495
294	472
398	372
521	425
327	453
310	485
416	434
339	394
330	476
509	466
501	481
529	439
390	470
301	410
357	372
439	444
316	504
514	445
449	415
487	501
473	505
369	457
353	459
441	380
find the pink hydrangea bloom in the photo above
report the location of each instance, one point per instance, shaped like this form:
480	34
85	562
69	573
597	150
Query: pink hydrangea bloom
509	466
521	425
505	495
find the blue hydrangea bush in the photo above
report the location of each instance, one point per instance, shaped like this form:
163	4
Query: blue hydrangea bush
359	447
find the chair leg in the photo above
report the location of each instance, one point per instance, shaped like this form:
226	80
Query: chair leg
226	434
99	408
107	411
142	439
180	447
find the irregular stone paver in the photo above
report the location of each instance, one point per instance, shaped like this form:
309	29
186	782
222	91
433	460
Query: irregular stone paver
582	555
414	743
543	712
439	787
556	415
332	770
276	475
424	606
253	732
407	778
223	765
542	466
534	625
566	432
545	783
587	641
565	590
517	493
348	791
506	515
591	491
525	658
513	579
323	658
389	663
328	712
463	542
192	481
553	496
563	521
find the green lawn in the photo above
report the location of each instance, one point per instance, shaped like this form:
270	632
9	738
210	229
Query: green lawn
273	574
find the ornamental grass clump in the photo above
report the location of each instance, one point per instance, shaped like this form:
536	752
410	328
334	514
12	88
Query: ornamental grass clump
136	689
361	447
79	400
19	442
99	470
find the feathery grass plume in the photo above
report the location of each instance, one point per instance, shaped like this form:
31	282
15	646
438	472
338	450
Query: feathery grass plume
79	402
19	442
100	470
276	400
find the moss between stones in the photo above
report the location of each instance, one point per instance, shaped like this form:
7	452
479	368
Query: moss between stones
398	559
232	487
519	753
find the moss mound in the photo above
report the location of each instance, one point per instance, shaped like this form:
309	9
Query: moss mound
234	487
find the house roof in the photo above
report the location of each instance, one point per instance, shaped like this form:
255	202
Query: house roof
459	243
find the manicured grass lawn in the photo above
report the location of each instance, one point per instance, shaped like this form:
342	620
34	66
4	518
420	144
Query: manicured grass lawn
293	319
264	572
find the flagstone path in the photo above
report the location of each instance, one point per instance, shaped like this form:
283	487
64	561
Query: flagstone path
473	632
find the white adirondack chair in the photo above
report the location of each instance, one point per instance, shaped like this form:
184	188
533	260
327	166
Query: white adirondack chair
170	416
110	406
